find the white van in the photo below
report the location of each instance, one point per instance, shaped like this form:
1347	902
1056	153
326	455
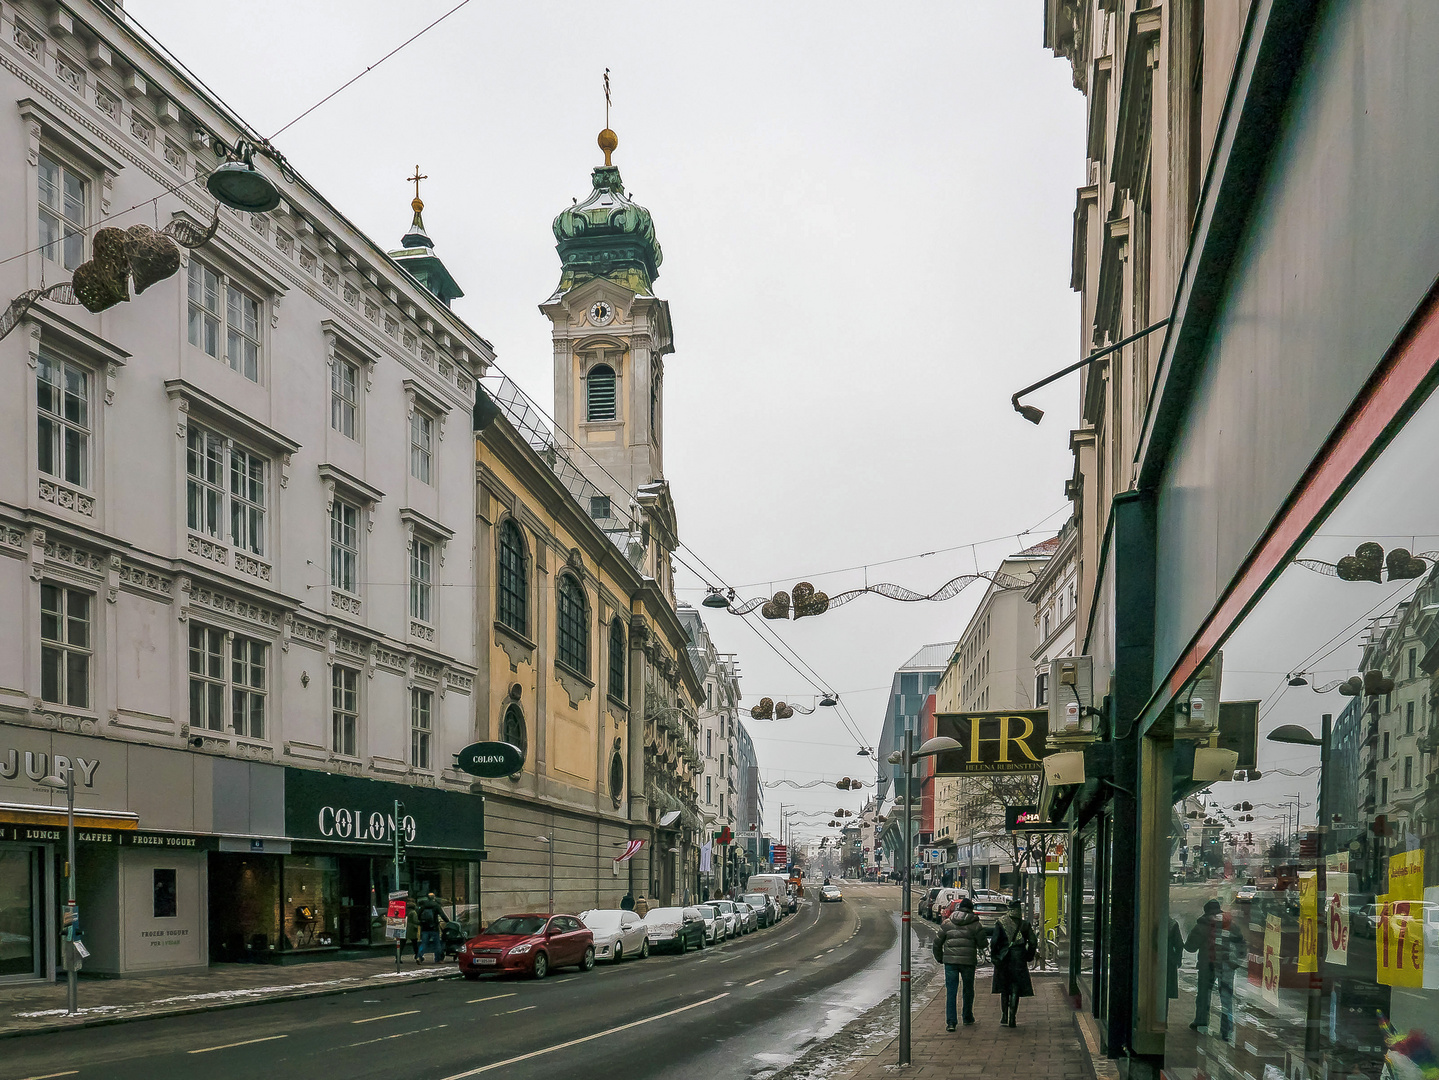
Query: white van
773	885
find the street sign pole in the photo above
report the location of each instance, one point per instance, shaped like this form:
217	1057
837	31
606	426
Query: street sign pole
72	960
907	765
399	826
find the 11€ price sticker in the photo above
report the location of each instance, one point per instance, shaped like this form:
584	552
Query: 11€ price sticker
1399	945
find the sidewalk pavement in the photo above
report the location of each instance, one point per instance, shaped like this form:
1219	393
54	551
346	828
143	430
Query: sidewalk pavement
38	1007
1044	1044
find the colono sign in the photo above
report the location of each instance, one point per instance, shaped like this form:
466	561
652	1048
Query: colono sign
356	810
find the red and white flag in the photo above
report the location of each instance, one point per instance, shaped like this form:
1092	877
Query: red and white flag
629	851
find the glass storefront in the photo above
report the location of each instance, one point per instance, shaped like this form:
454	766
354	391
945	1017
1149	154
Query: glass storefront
1303	900
20	911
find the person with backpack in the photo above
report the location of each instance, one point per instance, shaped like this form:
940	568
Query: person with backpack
1222	950
1011	948
961	939
431	916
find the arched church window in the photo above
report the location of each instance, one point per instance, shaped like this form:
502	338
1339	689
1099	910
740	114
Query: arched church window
512	592
572	625
600	393
617	659
512	730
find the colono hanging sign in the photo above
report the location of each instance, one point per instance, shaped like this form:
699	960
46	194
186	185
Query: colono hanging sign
992	742
356	810
491	759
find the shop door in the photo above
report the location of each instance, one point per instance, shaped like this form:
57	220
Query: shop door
20	934
353	926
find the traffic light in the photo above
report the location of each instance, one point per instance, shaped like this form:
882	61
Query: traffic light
399	831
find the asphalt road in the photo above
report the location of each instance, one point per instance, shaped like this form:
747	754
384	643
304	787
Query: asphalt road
731	1008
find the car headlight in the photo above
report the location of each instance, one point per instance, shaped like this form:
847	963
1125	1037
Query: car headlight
519	950
464	949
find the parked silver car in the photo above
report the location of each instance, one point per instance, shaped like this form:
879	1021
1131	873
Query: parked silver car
715	923
734	924
618	933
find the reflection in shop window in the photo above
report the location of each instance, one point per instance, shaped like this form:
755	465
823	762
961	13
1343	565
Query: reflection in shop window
167	901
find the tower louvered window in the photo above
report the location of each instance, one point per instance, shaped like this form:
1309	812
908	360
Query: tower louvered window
511	595
600	393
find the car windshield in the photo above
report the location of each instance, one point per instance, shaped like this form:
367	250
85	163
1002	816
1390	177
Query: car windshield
517	924
665	915
725	906
707	911
601	920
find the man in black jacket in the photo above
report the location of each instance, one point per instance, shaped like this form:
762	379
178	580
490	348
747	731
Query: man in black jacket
431	915
961	939
1221	948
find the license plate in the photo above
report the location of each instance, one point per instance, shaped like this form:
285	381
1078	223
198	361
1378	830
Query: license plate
486	960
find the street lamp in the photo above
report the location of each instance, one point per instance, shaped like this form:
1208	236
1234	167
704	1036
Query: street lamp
906	759
1295	735
72	914
1033	414
550	843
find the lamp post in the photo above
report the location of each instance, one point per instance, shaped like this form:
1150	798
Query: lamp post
906	758
1295	735
549	842
72	914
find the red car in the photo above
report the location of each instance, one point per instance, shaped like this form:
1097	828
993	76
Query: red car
528	945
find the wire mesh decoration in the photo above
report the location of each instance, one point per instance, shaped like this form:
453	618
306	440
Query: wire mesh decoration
804	600
769	709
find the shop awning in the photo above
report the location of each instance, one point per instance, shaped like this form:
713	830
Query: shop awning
51	817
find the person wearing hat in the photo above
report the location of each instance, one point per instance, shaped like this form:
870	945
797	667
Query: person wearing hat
1012	947
1221	948
961	939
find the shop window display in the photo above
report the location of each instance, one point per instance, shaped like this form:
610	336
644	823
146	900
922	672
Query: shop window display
1303	898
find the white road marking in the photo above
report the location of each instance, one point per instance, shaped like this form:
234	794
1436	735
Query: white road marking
512	1012
401	1035
557	982
779	973
51	1076
755	983
584	1039
387	1016
227	1046
494	997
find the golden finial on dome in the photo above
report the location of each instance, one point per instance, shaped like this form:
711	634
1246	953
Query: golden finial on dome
608	140
415	203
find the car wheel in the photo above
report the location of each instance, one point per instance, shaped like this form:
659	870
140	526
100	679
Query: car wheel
542	965
684	944
619	951
471	975
588	963
645	949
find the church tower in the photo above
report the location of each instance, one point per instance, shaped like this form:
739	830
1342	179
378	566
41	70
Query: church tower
611	334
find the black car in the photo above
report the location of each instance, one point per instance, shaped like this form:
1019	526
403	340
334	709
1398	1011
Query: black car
677	928
926	908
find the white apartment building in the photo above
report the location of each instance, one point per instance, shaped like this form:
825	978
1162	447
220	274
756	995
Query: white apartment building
236	538
1054	598
718	795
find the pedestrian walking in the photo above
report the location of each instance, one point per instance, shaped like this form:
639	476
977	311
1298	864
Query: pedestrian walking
627	903
431	915
412	930
961	939
1221	948
1012	947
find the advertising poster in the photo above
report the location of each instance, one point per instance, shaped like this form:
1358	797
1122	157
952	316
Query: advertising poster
1339	885
1399	948
1309	921
1273	934
395	915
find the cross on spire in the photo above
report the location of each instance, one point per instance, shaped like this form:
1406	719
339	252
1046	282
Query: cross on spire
416	180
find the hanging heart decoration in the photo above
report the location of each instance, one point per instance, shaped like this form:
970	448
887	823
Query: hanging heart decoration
776	607
152	256
1402	565
102	281
782	711
1364	565
764	710
809	602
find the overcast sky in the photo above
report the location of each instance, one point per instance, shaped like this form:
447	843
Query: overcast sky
865	212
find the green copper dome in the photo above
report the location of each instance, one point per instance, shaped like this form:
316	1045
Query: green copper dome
608	236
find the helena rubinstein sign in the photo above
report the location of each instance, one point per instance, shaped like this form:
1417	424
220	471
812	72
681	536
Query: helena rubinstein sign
992	742
355	810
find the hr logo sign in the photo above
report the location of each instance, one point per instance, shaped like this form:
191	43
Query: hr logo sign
991	742
344	823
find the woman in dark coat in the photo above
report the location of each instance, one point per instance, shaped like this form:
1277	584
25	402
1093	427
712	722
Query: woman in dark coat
1012	946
